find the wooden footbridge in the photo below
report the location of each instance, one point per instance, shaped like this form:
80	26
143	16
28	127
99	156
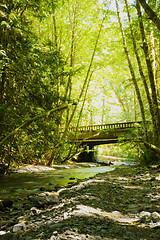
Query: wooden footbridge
92	135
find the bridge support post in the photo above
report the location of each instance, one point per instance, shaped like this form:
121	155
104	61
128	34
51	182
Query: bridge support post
88	154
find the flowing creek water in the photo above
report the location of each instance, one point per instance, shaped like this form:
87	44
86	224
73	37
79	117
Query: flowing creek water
20	185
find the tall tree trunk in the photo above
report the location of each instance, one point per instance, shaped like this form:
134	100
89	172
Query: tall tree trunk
153	56
141	72
132	73
56	47
135	107
153	47
151	14
4	35
2	86
57	50
68	91
155	110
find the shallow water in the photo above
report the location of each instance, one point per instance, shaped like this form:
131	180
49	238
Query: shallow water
18	185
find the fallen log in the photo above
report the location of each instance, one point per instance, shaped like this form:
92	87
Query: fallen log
152	147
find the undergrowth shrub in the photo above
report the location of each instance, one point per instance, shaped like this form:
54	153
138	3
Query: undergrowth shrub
148	157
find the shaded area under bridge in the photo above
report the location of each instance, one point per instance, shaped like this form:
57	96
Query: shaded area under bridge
92	135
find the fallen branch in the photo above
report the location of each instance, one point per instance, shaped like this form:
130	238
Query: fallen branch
152	147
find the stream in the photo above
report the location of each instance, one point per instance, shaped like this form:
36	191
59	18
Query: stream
20	185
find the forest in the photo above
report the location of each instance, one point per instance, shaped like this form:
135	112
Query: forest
74	63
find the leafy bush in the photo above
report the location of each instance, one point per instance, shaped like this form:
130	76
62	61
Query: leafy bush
148	157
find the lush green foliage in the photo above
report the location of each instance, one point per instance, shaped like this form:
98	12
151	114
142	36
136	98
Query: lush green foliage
28	84
46	60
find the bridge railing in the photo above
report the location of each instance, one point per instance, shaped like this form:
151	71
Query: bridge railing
123	125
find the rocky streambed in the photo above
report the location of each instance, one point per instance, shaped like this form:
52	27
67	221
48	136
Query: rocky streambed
120	204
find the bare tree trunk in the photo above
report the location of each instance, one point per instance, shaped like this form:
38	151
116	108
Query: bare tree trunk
4	35
2	87
132	73
152	147
151	14
152	42
55	36
155	110
141	72
157	59
68	91
135	107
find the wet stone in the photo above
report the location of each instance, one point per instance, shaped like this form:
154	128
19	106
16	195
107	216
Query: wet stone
56	226
35	211
19	227
155	217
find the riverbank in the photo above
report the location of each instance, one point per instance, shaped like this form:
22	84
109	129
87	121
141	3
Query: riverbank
122	204
39	168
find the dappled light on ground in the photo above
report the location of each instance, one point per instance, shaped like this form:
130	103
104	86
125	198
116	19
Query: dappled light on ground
83	210
119	205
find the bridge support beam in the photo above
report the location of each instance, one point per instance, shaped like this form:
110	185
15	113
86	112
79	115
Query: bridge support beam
88	154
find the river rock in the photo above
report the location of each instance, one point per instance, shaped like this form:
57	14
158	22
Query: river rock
116	213
155	217
63	191
35	211
44	194
52	199
145	216
44	199
2	233
19	227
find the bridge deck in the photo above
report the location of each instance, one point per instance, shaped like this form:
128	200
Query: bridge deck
102	134
123	125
